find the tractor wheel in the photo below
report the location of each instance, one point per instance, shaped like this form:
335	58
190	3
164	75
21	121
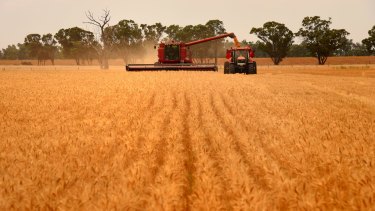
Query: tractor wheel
226	67
232	69
252	68
255	68
248	69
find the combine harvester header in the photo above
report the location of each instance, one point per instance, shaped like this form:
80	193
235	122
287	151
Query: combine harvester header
176	56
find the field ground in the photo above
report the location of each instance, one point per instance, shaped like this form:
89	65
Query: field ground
291	137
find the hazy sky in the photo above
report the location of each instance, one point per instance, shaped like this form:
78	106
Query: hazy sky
21	17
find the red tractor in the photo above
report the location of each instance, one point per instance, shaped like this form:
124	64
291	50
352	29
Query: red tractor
240	60
176	56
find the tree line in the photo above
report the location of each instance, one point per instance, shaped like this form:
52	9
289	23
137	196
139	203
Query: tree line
318	40
129	41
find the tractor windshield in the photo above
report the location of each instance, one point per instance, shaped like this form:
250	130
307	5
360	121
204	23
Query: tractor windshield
242	53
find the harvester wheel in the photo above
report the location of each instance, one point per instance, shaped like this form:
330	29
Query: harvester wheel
226	67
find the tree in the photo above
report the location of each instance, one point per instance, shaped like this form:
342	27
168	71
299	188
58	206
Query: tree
49	47
35	47
357	49
152	33
188	33
276	40
370	41
11	52
102	23
76	43
298	50
23	51
173	32
179	33
200	31
19	51
322	41
216	27
126	38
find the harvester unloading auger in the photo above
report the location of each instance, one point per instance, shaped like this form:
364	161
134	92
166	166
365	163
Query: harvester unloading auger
176	56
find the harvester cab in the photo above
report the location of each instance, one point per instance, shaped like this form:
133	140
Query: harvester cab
240	60
172	52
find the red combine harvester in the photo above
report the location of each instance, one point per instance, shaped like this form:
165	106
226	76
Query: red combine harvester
176	56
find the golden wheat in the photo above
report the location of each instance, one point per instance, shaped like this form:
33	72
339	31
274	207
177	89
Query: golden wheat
287	138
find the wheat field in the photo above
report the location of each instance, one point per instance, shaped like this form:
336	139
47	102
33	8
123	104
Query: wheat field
289	138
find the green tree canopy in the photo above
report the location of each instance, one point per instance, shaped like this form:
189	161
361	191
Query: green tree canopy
370	41
181	34
172	31
152	33
33	43
23	51
276	40
11	52
298	50
215	27
127	38
320	39
49	47
36	49
357	49
76	43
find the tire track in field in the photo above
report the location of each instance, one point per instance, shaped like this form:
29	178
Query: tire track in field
287	169
242	191
170	186
250	131
134	155
160	146
190	159
295	121
141	176
239	148
213	155
351	97
290	145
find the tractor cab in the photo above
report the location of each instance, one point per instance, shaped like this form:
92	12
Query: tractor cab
241	57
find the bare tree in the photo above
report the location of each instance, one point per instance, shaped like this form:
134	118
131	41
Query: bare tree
102	23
